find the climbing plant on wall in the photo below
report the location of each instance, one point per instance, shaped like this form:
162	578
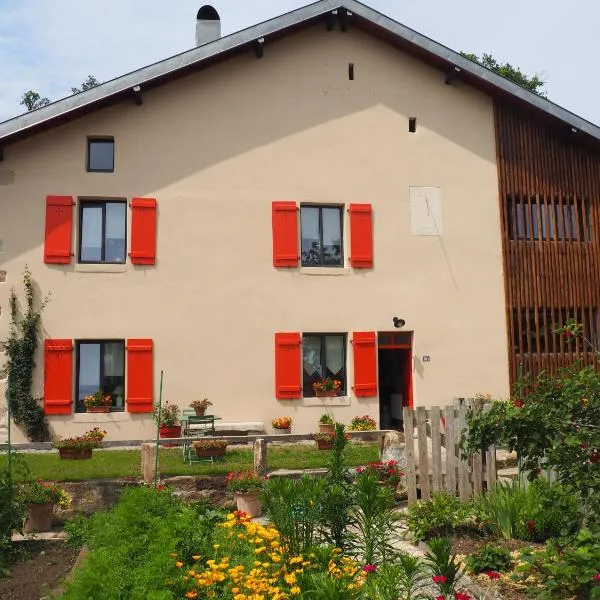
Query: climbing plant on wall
21	346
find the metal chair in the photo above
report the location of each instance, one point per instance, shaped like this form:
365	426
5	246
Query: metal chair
194	427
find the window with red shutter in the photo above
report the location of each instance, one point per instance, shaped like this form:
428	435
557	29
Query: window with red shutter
365	364
285	234
140	376
59	224
58	377
143	231
288	366
361	236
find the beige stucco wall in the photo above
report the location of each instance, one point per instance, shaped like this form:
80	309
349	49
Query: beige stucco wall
216	149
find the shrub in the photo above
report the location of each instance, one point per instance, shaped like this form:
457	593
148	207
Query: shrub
385	472
442	515
445	567
489	557
12	514
245	482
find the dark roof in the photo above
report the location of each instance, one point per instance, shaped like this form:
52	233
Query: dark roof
348	12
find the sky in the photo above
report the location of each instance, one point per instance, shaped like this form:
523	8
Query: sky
50	46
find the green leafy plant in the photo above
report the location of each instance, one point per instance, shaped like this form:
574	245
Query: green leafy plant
501	508
442	515
245	482
98	398
326	419
405	577
21	347
446	568
490	557
201	405
12	511
90	439
364	423
328	436
386	472
43	492
327	384
169	415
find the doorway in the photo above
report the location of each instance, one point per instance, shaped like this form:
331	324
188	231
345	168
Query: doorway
394	355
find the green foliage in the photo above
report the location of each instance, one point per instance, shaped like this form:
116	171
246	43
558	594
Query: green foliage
501	508
20	349
552	423
338	496
404	578
12	511
77	532
88	84
293	507
565	569
442	515
489	558
374	520
533	84
131	545
444	565
32	100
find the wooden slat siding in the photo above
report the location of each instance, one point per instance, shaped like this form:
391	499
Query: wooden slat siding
450	450
539	164
409	450
423	454
490	467
436	449
464	485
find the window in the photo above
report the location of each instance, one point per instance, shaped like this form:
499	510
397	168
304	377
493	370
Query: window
323	356
102	236
321	235
101	155
100	366
549	219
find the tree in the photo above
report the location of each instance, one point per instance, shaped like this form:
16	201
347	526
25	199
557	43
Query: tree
32	100
88	84
533	84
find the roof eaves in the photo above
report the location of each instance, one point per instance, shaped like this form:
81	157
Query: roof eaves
142	76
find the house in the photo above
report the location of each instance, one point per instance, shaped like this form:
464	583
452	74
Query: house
325	193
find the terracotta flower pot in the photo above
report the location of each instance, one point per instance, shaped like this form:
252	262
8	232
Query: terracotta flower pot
326	394
39	517
98	409
324	444
74	453
249	503
173	431
208	452
326	427
200	412
288	430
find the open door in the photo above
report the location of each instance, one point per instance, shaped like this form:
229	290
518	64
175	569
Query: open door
394	354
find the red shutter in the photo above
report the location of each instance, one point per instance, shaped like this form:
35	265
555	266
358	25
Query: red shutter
59	223
365	364
361	236
58	377
140	376
288	365
143	231
285	234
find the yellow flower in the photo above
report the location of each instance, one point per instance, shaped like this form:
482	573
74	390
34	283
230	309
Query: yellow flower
216	546
173	555
295	590
179	564
235	590
191	594
196	557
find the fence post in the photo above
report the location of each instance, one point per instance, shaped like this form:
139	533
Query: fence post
149	462
260	457
411	478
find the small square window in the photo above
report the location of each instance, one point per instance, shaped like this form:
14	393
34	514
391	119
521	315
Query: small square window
100	367
323	355
101	155
321	234
102	231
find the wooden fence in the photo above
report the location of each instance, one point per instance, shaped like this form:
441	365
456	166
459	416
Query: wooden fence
436	463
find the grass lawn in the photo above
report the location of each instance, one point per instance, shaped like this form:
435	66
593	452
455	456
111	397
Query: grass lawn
113	464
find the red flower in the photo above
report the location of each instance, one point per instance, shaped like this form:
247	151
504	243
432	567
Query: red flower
462	596
439	579
440	597
160	488
493	574
518	403
531	526
370	568
597	576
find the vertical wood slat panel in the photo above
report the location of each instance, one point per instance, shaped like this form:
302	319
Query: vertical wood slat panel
436	450
464	488
409	449
450	450
545	278
423	454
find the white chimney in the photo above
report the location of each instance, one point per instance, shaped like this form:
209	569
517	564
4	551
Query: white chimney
208	25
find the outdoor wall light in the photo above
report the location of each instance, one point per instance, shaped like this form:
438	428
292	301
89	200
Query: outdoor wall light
398	322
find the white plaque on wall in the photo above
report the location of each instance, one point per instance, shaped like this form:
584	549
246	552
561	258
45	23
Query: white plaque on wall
426	210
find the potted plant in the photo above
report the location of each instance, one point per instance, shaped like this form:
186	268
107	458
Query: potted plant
246	488
325	439
327	387
80	447
168	421
210	448
99	402
364	423
282	424
40	498
200	406
326	424
388	473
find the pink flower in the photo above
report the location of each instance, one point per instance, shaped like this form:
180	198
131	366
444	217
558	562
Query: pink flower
493	574
462	596
441	597
597	576
439	579
370	568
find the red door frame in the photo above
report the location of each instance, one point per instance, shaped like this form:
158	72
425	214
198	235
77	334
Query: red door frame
408	364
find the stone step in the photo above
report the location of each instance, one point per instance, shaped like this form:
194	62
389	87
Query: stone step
508	474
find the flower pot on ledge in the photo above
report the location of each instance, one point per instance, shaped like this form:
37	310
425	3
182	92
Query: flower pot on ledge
172	431
200	412
98	409
39	517
210	452
249	503
284	431
74	453
326	427
324	444
326	394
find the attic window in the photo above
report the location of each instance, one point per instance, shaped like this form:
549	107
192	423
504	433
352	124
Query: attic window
101	155
412	124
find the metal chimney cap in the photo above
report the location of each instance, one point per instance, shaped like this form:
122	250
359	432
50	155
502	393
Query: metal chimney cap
208	13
